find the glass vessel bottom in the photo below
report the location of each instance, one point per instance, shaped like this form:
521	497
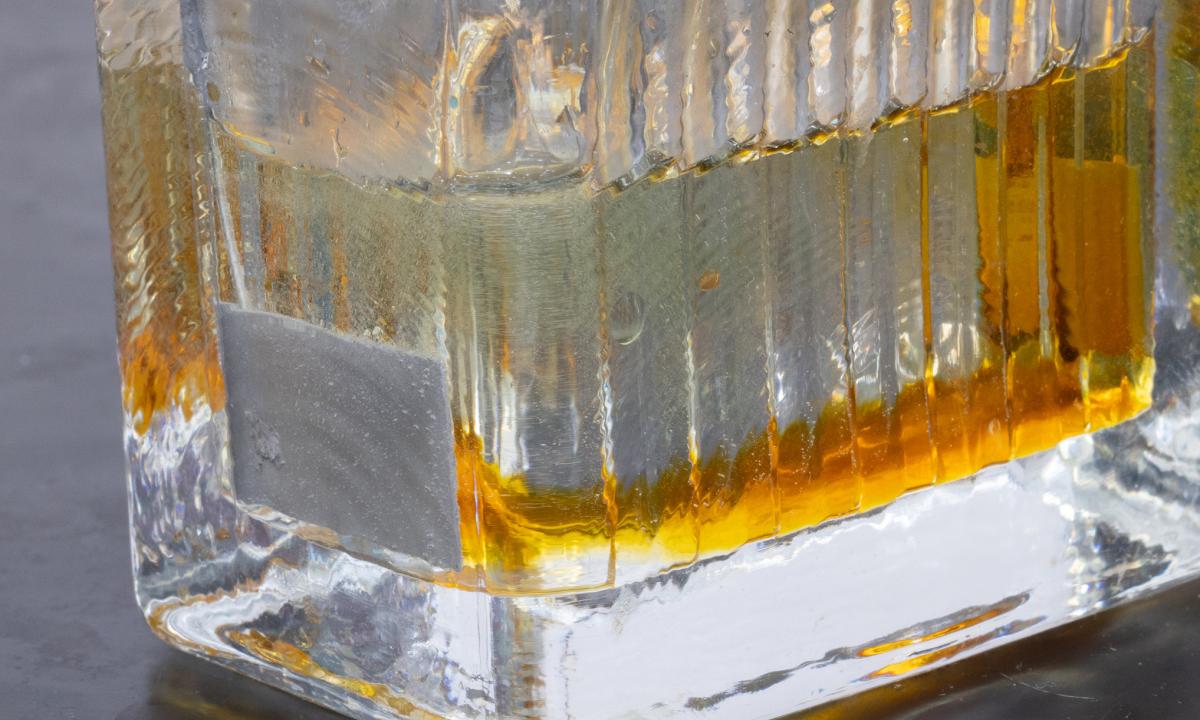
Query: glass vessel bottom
771	628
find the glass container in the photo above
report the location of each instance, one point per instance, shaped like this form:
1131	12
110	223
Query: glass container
648	359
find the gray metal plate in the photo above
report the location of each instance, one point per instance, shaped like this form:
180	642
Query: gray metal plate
347	434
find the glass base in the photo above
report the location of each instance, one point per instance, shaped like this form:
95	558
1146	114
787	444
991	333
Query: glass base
772	628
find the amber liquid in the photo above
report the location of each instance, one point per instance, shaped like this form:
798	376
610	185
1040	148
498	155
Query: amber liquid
1061	181
1013	236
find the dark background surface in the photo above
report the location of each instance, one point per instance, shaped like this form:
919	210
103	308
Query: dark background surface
72	642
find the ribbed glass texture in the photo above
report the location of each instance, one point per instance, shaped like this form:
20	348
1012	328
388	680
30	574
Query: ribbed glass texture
500	359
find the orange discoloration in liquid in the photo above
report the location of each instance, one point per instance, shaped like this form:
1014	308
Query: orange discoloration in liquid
1061	183
1063	274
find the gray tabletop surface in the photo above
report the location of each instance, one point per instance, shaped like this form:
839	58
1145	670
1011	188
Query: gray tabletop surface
72	643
